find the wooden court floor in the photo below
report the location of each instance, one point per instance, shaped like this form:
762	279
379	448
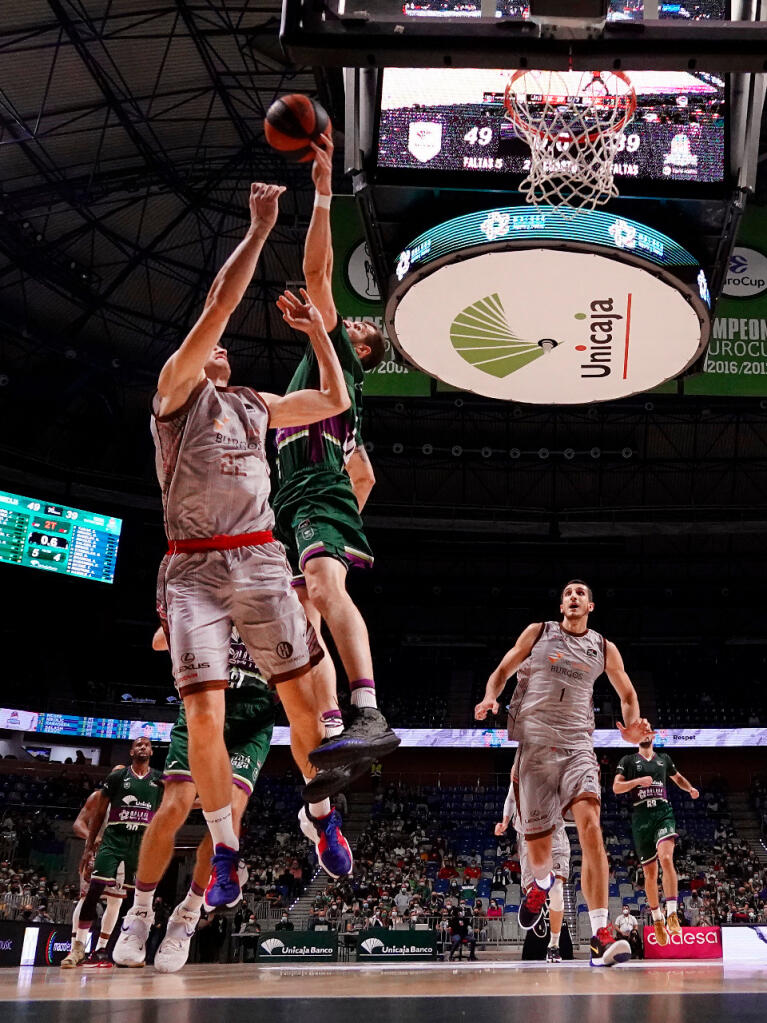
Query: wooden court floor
411	993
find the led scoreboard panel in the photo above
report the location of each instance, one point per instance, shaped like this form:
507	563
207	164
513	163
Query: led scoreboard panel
57	538
452	121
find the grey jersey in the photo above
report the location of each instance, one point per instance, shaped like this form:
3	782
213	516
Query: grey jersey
211	463
553	702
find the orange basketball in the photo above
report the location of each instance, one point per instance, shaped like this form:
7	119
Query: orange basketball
292	123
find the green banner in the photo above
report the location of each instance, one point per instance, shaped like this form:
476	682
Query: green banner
292	946
357	298
393	946
736	360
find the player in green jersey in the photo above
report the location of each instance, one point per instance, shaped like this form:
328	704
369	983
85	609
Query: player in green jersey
645	774
325	478
131	795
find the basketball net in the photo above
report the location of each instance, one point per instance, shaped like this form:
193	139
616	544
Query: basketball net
574	123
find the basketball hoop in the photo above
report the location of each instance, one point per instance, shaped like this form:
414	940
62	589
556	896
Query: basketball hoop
574	123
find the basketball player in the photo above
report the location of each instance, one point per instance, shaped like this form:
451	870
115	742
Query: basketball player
560	854
551	714
131	794
646	773
325	479
225	567
114	896
248	725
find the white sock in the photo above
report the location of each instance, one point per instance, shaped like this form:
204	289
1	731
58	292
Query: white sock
102	942
221	827
192	902
318	809
670	906
144	900
657	913
82	934
554	939
598	918
109	919
546	882
76	918
363	697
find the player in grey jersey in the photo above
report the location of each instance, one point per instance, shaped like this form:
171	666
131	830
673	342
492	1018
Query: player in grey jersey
225	567
551	715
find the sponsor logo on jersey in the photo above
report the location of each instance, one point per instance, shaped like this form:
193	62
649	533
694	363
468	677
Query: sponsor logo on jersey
284	650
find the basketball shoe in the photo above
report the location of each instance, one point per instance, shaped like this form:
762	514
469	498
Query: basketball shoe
333	852
325	784
224	884
553	955
174	947
607	950
130	949
75	957
661	934
367	736
532	905
673	925
99	959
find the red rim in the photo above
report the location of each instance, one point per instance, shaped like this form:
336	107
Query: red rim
631	97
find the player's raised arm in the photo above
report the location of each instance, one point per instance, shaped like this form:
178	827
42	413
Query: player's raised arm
635	726
361	475
185	368
318	248
509	664
299	408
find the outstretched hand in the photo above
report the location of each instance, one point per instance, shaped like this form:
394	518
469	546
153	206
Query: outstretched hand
304	316
634	732
484	708
263	202
322	167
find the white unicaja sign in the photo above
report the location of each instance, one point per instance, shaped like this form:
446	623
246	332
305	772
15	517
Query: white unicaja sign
550	320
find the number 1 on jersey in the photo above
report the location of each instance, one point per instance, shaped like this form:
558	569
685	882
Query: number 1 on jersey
562	694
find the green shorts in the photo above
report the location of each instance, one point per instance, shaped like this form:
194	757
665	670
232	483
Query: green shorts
321	518
248	727
651	825
118	846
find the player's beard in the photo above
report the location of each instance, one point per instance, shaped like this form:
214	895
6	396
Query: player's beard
645	744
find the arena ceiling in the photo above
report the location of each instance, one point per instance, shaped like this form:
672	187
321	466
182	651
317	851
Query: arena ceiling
129	133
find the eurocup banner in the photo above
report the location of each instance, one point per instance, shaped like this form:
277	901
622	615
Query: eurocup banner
377	944
736	360
297	946
355	290
692	943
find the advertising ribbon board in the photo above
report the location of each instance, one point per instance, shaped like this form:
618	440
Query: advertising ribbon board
355	290
297	946
692	943
736	360
380	945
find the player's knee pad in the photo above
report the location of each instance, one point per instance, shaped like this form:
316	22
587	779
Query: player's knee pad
557	896
88	909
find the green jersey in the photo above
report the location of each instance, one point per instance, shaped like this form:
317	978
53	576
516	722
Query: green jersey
132	800
301	450
660	767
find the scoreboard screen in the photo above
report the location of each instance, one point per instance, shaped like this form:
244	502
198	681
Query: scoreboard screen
57	538
81	727
449	126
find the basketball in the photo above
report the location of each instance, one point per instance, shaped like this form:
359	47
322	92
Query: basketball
292	123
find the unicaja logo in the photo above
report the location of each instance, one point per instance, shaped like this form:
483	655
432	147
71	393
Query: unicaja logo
602	322
372	945
272	945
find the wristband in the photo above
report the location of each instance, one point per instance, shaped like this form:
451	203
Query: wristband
323	201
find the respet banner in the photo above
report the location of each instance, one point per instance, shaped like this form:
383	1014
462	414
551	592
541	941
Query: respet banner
355	290
736	360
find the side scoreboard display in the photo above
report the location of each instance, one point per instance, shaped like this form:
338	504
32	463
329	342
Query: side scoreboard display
57	538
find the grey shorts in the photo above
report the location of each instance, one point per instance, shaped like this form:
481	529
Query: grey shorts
208	591
560	855
549	781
